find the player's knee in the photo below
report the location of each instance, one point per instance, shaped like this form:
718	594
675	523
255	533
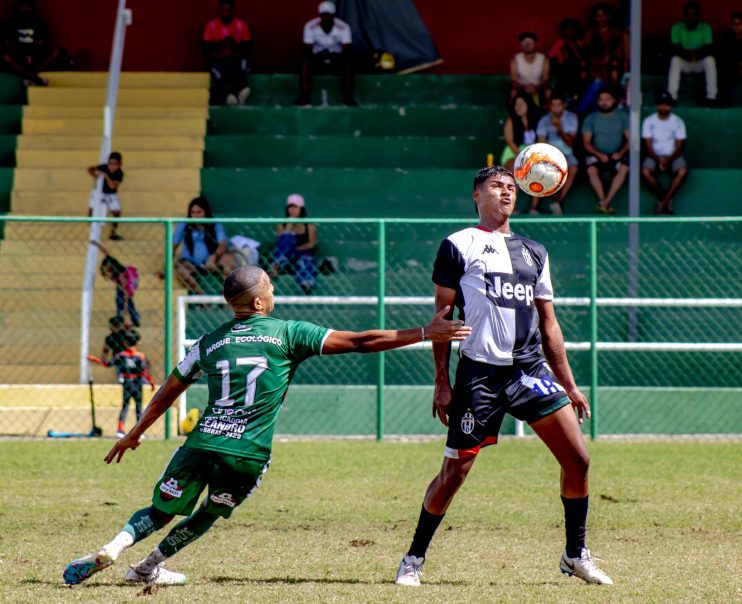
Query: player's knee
161	516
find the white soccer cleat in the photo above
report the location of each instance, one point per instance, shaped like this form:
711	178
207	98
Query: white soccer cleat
81	569
410	571
159	575
584	568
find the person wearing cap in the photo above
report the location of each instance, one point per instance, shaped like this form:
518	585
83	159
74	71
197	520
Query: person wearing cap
327	49
227	43
295	244
664	138
529	70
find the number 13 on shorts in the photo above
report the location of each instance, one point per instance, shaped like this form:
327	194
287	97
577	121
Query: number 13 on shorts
543	385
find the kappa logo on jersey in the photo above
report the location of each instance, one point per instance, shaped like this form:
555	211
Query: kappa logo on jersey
223	499
527	256
507	294
488	249
240	328
171	488
467	423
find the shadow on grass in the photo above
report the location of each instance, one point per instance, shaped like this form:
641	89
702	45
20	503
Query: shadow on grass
322	581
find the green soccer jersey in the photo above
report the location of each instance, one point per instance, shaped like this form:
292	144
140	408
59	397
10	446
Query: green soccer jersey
249	364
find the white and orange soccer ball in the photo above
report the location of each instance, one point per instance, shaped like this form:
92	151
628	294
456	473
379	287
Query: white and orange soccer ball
540	169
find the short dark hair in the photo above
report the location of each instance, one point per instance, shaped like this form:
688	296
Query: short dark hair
116	321
528	34
485	174
241	281
115	156
692	5
131	337
116	268
735	16
609	90
558	95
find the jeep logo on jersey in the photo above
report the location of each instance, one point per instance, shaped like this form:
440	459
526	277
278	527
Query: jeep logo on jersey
240	328
527	256
467	423
506	294
488	249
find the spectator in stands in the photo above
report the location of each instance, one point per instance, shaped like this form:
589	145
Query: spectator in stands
605	137
203	247
529	70
519	131
559	128
664	137
327	49
568	59
227	44
113	175
608	55
692	45
730	58
126	280
26	50
295	245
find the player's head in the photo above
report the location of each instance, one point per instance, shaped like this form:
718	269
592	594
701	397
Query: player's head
114	161
131	337
248	289
116	323
200	208
295	206
494	191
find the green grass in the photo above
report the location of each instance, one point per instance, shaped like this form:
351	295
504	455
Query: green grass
332	520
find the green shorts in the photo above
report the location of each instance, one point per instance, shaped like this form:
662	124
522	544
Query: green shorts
230	479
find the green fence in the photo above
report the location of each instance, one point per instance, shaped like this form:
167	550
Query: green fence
650	310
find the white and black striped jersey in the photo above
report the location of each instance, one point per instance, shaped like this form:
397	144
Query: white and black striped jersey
497	278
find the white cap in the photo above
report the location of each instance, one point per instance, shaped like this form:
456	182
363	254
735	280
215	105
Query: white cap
295	200
326	7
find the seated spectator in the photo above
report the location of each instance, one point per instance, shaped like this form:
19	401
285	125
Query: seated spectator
692	45
126	280
664	137
608	55
559	128
227	43
568	60
295	245
529	70
25	44
203	247
730	58
327	49
605	137
113	175
519	131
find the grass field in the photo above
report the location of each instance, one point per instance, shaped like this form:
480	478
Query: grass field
333	519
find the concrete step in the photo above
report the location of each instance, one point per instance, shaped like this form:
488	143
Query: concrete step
71	203
136	179
144	127
128	79
96	113
67	317
13	300
75	396
61	261
53	280
137	97
26	158
123	143
78	232
60	354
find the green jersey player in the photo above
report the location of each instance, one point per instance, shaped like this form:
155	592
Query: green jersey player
248	362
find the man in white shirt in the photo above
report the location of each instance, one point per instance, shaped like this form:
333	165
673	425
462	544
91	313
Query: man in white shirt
664	136
327	49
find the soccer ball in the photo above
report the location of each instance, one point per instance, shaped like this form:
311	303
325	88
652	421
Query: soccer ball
540	169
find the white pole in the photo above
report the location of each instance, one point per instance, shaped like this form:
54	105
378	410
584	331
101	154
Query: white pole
123	18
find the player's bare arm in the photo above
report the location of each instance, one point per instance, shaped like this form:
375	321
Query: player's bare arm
161	402
377	340
443	393
552	342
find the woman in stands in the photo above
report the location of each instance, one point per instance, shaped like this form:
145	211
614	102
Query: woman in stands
295	245
203	248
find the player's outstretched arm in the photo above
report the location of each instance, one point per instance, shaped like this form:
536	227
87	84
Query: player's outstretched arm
161	402
552	342
377	340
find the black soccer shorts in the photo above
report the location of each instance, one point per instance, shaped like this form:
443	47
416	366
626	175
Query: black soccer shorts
484	393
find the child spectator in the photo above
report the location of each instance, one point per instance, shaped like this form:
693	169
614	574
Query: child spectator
559	128
327	49
730	58
692	44
227	44
605	137
529	70
132	368
568	60
295	244
126	280
664	137
114	342
112	177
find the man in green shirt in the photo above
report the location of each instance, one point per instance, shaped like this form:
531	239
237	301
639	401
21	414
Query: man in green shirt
249	363
692	41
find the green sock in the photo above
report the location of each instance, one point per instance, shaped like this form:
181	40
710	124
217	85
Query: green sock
187	531
145	522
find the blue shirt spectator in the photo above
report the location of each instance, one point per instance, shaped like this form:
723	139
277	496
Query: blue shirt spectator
199	253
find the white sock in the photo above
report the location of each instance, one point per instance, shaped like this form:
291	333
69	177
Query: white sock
147	565
119	544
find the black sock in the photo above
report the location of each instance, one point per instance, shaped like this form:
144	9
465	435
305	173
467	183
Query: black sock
426	528
575	524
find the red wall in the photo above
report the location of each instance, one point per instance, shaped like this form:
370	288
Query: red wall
473	36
